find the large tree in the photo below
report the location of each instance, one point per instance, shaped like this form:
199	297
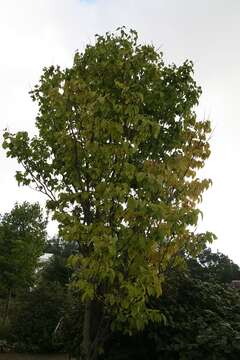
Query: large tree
117	151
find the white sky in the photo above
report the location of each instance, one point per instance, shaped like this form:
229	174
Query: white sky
38	33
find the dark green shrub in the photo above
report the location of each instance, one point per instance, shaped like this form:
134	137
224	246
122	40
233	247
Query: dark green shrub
37	317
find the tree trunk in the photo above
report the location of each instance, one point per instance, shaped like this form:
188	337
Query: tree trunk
92	331
86	342
6	310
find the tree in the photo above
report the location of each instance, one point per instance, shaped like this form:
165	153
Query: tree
56	268
202	322
22	237
214	265
202	319
117	151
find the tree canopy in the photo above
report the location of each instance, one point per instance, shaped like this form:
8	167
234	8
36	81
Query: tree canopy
214	266
22	237
117	153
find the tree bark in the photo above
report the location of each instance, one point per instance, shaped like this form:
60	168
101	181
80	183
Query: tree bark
6	310
94	330
86	341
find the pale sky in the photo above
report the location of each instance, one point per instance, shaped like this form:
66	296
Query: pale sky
38	33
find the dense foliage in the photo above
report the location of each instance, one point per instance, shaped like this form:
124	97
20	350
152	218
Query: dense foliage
22	240
202	319
117	151
214	266
201	314
36	317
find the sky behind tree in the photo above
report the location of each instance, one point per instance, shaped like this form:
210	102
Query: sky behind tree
35	34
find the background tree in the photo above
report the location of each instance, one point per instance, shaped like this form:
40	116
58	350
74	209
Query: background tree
36	317
214	266
117	151
202	318
56	269
22	237
37	314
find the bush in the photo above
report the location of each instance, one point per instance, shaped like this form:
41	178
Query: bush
38	314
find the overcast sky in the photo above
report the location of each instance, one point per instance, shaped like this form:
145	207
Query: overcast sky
39	33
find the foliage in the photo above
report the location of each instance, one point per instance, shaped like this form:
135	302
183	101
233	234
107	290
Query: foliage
56	268
214	266
117	151
36	318
202	321
22	237
70	332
